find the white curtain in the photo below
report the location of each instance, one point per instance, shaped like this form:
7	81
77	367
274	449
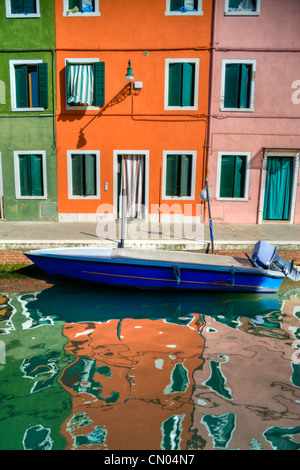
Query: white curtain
132	182
81	84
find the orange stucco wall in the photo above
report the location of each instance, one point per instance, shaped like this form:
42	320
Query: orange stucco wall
140	31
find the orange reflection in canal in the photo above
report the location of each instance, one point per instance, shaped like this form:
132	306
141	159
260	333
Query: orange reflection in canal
131	383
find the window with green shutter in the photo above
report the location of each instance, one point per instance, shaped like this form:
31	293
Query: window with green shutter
178	175
85	83
22	8
233	176
182	84
31	175
31	85
84	174
238	85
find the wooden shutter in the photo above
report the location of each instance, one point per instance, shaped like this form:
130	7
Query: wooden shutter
239	176
99	84
175	84
90	175
185	175
24	172
17	6
21	79
43	85
245	85
36	174
75	3
77	175
176	4
232	83
172	175
188	84
227	176
29	6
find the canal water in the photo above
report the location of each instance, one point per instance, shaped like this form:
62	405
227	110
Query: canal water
84	367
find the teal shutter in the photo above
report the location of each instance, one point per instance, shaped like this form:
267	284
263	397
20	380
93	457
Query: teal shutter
227	176
75	3
24	172
99	84
246	72
175	84
36	173
188	85
232	83
239	176
43	85
176	4
77	175
68	80
21	79
185	175
171	176
29	6
90	175
233	171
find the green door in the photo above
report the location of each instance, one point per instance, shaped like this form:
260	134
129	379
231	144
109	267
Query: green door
278	190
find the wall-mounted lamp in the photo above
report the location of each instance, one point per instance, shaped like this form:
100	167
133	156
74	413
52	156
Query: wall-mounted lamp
129	74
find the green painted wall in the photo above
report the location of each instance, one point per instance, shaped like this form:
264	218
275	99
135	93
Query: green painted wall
24	39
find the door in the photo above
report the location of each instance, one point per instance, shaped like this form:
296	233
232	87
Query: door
131	177
279	188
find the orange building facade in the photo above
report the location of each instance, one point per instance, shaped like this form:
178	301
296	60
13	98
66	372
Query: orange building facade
148	134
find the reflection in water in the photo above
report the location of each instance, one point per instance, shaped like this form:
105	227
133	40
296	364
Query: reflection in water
86	368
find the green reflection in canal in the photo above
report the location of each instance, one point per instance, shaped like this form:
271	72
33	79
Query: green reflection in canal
89	368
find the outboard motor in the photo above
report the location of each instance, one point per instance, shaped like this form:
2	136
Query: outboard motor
266	256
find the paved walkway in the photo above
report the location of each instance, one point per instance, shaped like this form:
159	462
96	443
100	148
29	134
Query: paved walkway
24	235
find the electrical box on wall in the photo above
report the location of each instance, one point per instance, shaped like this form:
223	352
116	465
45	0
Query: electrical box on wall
138	85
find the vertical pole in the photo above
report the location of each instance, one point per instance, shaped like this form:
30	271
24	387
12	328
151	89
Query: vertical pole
210	220
121	243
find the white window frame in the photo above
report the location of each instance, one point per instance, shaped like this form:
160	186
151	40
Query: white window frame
241	12
69	165
196	84
193	153
252	91
247	176
77	62
12	64
9	14
168	11
17	173
80	14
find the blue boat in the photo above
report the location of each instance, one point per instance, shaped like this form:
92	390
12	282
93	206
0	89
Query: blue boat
264	271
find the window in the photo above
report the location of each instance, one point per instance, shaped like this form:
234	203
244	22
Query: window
84	174
85	83
238	84
181	84
184	7
242	7
179	175
29	85
233	176
30	175
22	8
81	8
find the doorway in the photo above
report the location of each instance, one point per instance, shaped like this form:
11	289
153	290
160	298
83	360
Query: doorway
280	187
132	176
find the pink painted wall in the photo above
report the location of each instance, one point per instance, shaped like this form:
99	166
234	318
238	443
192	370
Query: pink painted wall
273	40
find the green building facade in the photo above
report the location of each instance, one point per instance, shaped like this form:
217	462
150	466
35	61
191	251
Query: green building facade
27	111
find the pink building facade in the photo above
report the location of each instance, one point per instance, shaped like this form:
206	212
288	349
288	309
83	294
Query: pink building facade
254	116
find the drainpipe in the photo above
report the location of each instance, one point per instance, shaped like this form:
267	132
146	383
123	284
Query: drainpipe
208	147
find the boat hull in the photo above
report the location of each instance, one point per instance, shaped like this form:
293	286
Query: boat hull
152	274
